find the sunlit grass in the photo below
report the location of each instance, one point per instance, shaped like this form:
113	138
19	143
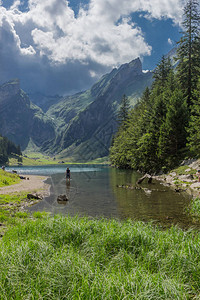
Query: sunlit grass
81	258
12	198
11	213
194	208
184	170
33	159
9	209
38	159
7	178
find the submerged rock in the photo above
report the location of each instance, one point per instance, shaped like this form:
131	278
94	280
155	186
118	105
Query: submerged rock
34	196
62	198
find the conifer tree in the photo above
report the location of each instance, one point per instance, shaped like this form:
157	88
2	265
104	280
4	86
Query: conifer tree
155	135
172	137
188	52
7	148
161	72
194	124
124	110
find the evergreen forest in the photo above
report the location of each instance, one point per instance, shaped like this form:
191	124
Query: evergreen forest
164	127
7	148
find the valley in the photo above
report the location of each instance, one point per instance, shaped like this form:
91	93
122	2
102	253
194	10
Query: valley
76	128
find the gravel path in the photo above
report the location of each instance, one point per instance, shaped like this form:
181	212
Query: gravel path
33	185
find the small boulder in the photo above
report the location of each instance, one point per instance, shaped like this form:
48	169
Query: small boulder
173	174
188	177
62	198
34	196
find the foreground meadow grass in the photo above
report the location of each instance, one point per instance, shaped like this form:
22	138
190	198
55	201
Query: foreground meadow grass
81	258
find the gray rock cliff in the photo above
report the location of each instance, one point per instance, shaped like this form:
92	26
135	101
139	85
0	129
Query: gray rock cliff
20	119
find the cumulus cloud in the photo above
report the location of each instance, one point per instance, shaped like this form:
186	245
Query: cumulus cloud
170	42
99	36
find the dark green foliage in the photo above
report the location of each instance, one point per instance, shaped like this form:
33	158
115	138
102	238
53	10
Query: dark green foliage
123	112
156	129
189	71
7	148
194	124
173	130
168	115
161	72
188	53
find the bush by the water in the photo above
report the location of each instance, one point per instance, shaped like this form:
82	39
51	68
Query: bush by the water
80	258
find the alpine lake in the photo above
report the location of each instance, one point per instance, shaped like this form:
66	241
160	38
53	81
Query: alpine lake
102	191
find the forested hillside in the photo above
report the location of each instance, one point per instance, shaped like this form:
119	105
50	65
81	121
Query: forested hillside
6	148
164	127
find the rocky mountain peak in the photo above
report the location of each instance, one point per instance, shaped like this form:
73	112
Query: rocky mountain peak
10	89
136	64
128	71
134	67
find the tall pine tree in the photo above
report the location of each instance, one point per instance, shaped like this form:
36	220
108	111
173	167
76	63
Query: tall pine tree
124	110
194	124
188	52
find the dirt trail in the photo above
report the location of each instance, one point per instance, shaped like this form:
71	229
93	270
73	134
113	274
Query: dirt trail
33	185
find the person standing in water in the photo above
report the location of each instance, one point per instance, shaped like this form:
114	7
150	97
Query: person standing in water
67	174
198	175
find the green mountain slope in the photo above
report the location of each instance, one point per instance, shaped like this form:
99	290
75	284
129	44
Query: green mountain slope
21	120
87	135
78	127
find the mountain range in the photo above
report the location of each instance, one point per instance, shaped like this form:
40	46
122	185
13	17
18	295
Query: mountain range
77	127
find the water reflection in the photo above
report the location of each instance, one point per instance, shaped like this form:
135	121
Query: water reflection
151	202
93	191
68	189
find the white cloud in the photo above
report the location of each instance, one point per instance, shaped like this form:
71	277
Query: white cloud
102	33
15	5
93	74
53	50
170	42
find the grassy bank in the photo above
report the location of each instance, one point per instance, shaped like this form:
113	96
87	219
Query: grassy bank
79	258
11	205
8	178
11	213
194	208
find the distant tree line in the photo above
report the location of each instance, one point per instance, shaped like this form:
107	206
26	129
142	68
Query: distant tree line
164	127
6	149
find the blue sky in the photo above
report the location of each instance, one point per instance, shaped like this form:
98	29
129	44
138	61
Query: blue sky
62	47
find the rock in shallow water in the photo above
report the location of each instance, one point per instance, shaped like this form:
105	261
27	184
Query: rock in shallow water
62	198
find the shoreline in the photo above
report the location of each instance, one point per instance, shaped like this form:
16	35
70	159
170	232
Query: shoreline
185	181
32	184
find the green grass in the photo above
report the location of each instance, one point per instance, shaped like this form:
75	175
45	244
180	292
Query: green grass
182	170
7	178
12	198
101	160
38	159
33	159
9	210
81	258
194	208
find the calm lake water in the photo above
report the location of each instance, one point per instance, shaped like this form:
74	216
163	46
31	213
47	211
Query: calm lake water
93	191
